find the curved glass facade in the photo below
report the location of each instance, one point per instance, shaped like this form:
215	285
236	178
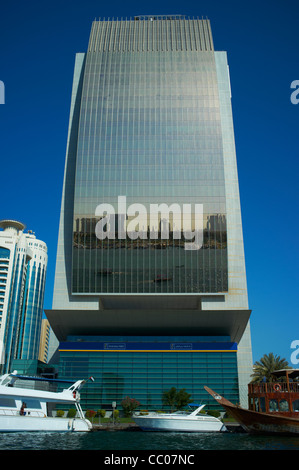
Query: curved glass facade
23	265
4	263
149	131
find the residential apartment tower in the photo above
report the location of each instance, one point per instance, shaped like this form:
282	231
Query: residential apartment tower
23	266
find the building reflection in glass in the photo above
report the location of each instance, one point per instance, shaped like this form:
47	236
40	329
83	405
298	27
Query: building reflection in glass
150	265
149	129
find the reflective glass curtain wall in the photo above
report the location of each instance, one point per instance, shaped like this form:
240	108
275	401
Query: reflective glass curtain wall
150	130
145	370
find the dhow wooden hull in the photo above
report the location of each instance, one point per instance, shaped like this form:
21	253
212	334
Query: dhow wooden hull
257	422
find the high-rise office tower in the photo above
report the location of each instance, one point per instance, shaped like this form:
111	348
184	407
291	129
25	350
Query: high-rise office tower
44	341
23	266
150	287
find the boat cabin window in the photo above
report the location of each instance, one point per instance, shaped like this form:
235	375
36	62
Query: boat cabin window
273	405
295	405
33	404
6	381
7	403
283	405
263	404
259	404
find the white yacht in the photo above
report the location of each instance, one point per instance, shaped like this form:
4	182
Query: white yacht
26	409
179	421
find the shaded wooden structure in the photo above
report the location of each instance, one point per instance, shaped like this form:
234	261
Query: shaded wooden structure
278	396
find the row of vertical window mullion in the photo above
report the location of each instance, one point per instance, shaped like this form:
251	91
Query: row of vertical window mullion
99	101
102	161
157	166
92	41
82	127
129	35
91	154
88	156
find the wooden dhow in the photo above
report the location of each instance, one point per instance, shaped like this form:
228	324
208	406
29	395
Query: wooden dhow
273	407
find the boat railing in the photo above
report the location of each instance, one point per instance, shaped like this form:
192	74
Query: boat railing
13	412
273	387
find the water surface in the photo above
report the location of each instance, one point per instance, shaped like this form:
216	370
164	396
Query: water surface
149	441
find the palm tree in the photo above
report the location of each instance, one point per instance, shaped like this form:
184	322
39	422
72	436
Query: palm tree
263	368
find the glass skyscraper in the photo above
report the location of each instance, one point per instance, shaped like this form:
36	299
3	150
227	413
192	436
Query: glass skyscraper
150	261
23	267
150	130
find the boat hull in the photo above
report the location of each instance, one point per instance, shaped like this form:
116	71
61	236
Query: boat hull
178	425
255	422
263	423
48	424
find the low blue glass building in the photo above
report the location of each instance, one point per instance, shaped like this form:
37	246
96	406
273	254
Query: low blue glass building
122	366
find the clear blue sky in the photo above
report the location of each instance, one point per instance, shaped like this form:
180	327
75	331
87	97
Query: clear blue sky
38	42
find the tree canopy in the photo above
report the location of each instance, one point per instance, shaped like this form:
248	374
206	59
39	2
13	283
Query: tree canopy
176	399
129	405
